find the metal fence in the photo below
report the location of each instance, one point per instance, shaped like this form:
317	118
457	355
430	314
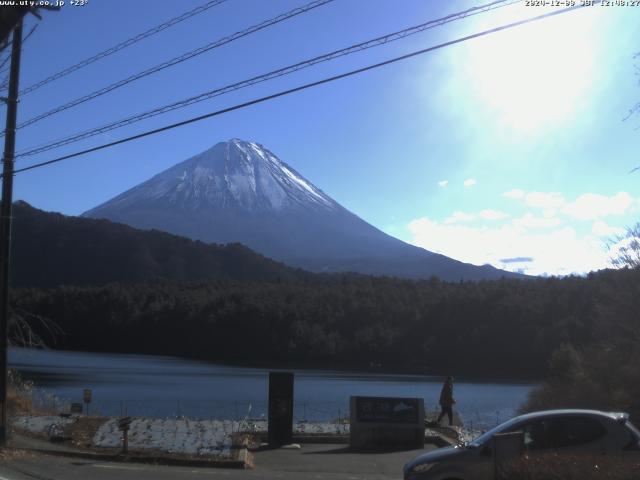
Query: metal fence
255	411
196	409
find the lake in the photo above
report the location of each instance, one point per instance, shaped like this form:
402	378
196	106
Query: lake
155	386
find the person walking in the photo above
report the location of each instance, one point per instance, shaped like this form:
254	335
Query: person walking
447	400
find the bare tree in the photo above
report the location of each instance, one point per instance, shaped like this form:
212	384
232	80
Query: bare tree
625	249
636	107
22	333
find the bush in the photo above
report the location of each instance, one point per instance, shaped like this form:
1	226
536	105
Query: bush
19	395
601	377
575	467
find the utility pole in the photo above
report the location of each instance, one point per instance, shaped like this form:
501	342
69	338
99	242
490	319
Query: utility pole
5	222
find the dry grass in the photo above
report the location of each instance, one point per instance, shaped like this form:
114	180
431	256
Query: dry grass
575	467
9	454
18	403
23	398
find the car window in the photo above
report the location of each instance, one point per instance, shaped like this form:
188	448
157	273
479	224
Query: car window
580	430
507	426
561	432
537	435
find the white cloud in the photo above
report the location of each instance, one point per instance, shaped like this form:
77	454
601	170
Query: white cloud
459	216
588	206
546	200
558	252
539	239
529	220
470	182
443	183
486	214
591	206
516	194
489	214
601	229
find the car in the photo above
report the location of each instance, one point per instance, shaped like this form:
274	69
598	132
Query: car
570	431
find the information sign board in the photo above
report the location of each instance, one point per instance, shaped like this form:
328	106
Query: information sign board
386	422
387	410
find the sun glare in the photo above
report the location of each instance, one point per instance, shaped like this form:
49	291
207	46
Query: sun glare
535	75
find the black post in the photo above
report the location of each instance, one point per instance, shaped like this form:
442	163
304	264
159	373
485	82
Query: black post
5	222
280	408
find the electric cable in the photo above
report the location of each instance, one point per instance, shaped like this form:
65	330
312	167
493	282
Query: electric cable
176	60
5	82
265	77
123	45
301	87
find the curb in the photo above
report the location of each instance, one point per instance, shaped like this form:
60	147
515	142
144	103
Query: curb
435	438
320	438
311	438
243	458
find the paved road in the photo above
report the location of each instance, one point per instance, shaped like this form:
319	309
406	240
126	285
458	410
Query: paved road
312	462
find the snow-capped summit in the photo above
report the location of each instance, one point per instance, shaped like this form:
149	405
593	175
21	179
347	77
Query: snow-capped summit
233	174
238	191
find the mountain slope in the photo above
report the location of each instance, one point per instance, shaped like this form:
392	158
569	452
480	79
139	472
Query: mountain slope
50	249
239	191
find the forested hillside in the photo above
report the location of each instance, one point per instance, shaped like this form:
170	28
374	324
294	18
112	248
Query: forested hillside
50	249
602	372
497	328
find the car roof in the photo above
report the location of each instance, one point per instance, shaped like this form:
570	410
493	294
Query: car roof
618	417
615	416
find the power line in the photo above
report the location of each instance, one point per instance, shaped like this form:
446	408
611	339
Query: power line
5	82
4	63
123	45
300	88
268	76
174	61
4	68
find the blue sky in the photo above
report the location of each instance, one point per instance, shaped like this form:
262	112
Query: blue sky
510	149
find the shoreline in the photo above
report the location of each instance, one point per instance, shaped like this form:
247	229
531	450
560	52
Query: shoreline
310	367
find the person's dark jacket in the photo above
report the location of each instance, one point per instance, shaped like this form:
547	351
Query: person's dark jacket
446	396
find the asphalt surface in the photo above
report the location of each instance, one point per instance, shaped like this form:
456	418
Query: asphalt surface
312	461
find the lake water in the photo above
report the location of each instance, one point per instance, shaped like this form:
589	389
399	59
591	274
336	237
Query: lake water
143	385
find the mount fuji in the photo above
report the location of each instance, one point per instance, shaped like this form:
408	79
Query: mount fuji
239	191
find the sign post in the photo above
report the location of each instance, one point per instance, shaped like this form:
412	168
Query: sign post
86	397
123	425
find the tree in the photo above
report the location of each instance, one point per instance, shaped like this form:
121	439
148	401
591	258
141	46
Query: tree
625	250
